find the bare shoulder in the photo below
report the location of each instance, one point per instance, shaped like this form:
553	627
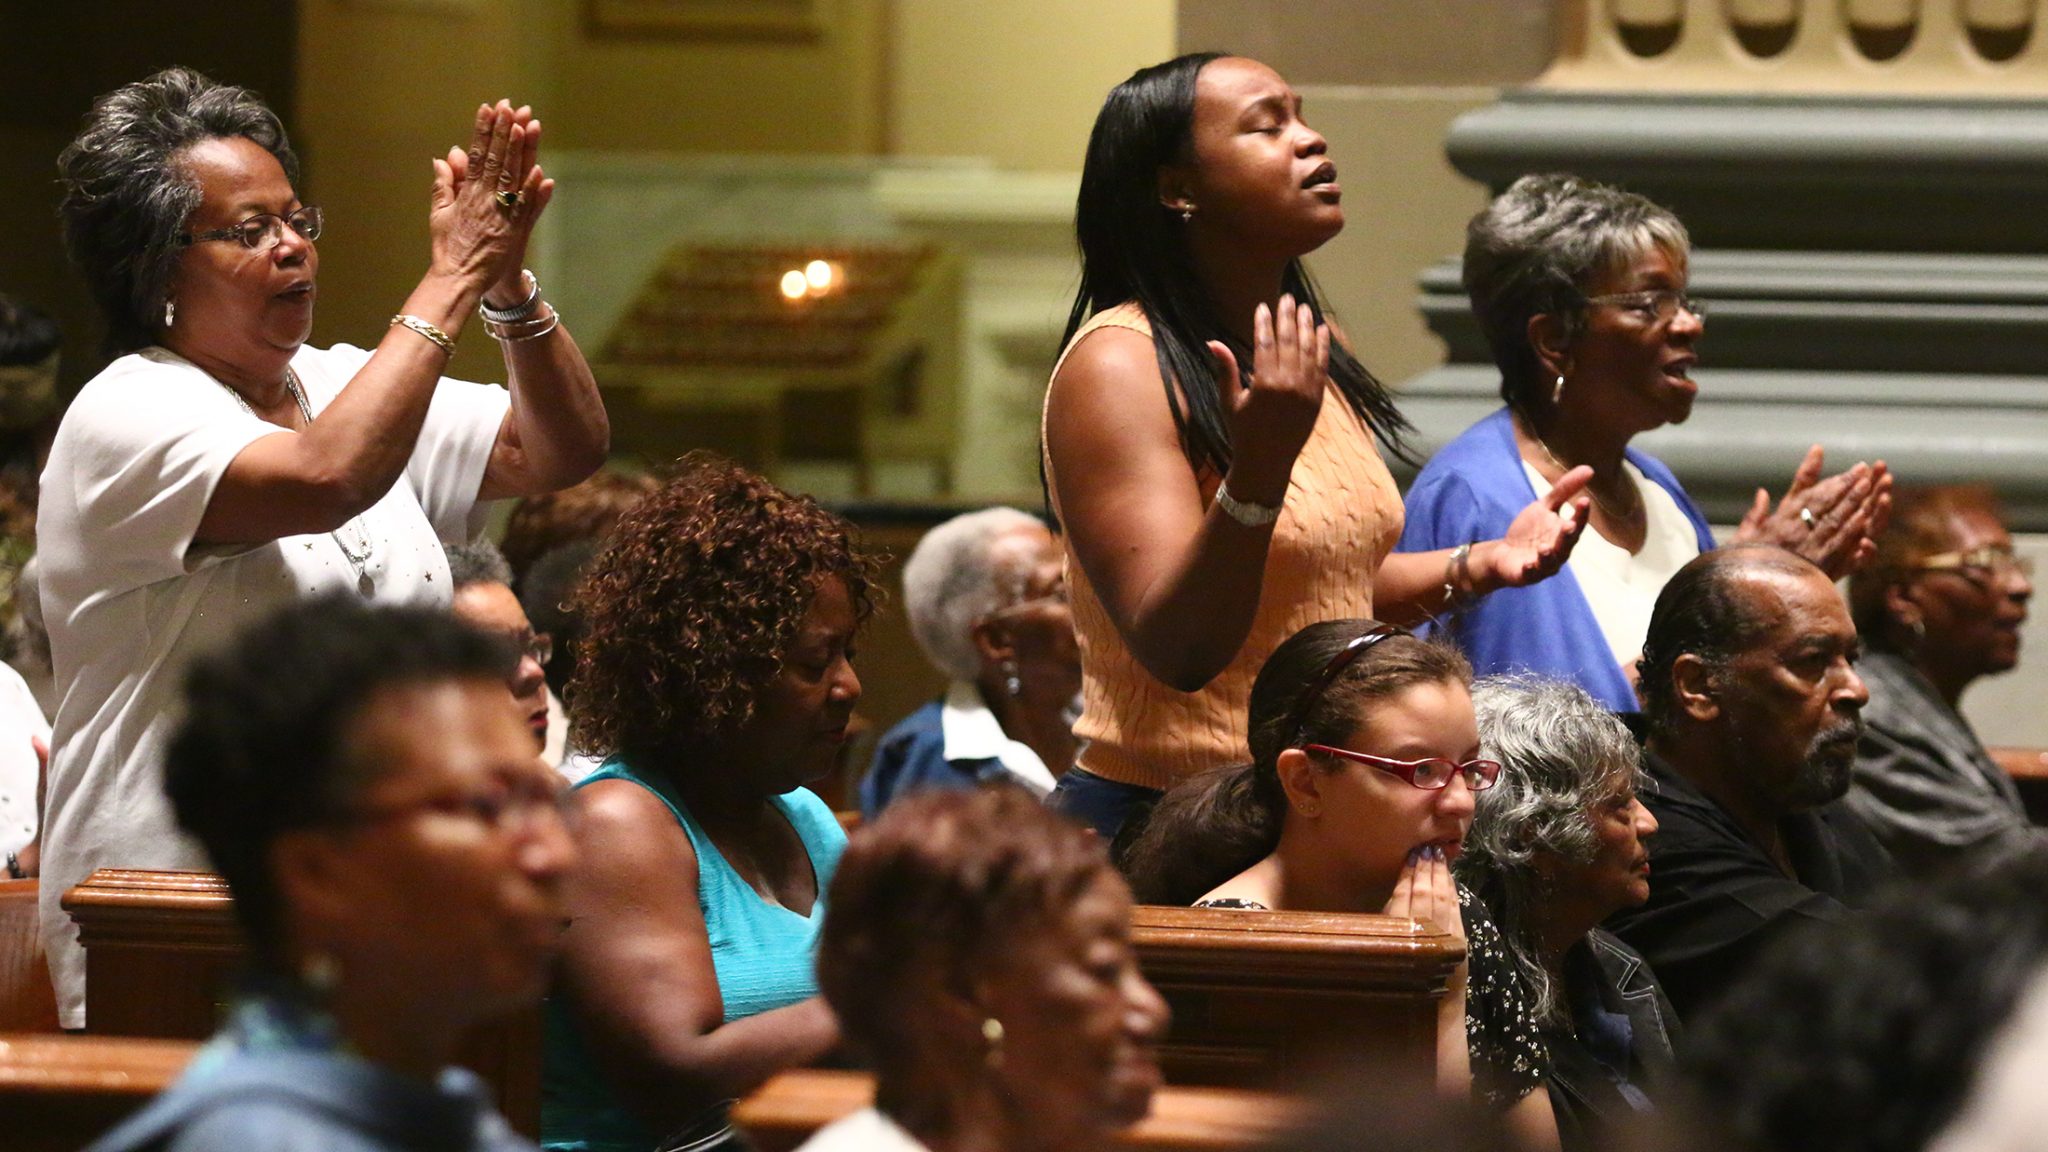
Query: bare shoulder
642	843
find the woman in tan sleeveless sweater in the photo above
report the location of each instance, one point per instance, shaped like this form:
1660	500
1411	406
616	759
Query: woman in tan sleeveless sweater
1209	511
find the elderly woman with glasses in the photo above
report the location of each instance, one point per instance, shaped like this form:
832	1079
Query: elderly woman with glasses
1940	606
1365	763
1553	851
1581	290
221	467
398	861
987	601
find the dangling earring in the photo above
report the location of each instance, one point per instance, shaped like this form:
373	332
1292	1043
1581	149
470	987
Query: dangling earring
1011	683
1557	390
320	972
992	1035
1187	213
170	312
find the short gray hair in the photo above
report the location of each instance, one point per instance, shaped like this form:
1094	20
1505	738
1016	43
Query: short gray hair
127	193
952	582
1536	249
478	563
1560	752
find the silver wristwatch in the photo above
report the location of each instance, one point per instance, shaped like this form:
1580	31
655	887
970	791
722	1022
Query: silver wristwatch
1244	511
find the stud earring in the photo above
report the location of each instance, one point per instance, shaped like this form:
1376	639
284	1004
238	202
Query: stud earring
1308	809
1557	390
992	1035
170	312
1187	213
1012	683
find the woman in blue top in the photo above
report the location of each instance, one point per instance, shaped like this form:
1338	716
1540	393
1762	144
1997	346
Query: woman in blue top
1581	291
715	677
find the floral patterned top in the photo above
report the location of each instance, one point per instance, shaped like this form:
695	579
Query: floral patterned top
1508	1057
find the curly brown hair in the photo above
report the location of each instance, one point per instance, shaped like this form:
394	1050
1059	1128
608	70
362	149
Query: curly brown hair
688	609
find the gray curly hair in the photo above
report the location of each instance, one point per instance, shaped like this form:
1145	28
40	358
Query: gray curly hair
127	193
953	581
1561	754
1536	249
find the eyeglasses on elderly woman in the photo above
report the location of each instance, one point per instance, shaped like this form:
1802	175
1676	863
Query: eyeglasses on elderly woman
1660	305
1989	561
261	232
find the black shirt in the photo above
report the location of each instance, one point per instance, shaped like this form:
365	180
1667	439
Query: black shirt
1717	898
1612	1057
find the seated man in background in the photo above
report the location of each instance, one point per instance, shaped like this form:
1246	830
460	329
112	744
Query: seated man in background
1750	692
987	601
1940	606
483	600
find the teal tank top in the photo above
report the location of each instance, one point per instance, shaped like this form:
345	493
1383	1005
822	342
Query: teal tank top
762	953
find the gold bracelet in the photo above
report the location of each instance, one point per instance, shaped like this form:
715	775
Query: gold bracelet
442	340
503	334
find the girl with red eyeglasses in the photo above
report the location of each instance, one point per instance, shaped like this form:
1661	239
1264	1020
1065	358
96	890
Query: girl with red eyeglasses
1365	759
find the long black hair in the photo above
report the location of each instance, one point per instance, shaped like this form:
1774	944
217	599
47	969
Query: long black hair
1133	248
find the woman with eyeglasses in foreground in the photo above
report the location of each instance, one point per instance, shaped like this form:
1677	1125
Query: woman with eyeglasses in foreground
716	680
1940	606
1582	293
1555	848
398	860
1365	761
222	467
978	952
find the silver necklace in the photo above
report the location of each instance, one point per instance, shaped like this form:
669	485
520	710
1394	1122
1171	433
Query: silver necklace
358	558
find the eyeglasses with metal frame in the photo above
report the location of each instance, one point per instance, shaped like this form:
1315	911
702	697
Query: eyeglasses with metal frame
1659	304
261	232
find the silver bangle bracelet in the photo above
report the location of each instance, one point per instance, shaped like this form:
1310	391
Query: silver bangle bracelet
497	331
519	312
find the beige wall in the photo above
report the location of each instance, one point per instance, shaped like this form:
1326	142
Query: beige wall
665	93
1016	82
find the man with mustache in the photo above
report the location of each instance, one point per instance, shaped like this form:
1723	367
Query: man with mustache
1753	707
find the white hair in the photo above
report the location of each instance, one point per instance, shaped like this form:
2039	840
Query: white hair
952	582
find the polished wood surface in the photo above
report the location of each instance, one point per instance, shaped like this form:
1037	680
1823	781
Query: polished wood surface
785	1111
58	1093
27	1001
2028	768
1262	998
162	950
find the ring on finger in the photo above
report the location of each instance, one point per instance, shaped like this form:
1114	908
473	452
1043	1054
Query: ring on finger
1806	517
507	199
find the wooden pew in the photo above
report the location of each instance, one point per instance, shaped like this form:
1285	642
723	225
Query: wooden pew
27	1001
2028	768
161	953
784	1112
1261	999
58	1093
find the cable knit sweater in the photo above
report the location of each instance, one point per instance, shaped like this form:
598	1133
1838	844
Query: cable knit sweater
1341	517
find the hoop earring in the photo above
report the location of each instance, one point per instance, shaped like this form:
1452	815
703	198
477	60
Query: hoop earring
170	312
1557	390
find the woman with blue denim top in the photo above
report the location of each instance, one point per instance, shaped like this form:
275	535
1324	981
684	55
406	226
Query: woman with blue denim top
715	679
1581	291
398	862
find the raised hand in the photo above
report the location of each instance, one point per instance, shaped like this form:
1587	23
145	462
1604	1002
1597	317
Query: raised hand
1833	522
1540	538
486	199
1272	414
